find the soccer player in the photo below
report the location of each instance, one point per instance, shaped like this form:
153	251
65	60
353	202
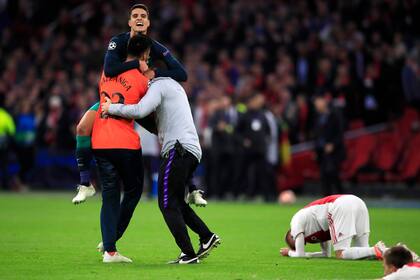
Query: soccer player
343	219
115	63
399	265
181	153
117	150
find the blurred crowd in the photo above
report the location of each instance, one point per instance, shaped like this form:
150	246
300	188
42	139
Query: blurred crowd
253	69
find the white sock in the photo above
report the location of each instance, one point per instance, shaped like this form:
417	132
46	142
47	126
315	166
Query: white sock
355	253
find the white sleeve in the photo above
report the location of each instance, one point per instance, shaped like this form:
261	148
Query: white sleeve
297	225
300	249
146	105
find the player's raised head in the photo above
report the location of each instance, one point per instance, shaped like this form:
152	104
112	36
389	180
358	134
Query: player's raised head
289	240
395	258
138	18
139	46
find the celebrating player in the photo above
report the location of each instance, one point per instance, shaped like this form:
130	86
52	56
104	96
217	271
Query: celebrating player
115	63
399	265
181	153
120	157
339	218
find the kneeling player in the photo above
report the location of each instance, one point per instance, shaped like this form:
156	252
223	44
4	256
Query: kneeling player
399	264
339	218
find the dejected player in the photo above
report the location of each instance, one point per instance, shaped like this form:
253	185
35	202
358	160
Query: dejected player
343	219
114	64
401	264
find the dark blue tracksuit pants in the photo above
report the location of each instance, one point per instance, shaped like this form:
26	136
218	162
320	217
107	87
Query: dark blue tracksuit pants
114	165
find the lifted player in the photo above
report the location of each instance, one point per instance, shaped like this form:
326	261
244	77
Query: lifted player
339	218
114	64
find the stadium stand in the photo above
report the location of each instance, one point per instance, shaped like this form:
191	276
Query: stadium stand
367	61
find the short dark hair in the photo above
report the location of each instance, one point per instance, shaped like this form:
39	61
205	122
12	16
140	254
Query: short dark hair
398	256
289	240
138	6
138	44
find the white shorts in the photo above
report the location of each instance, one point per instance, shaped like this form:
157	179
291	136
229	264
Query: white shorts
348	217
354	241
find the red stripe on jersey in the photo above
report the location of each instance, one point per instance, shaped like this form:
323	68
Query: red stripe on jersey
325	200
416	264
332	228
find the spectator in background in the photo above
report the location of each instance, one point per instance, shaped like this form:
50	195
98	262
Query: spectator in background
253	132
25	141
329	144
272	155
290	114
222	125
303	117
411	81
7	131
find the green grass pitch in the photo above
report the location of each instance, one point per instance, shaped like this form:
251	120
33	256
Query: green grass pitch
44	236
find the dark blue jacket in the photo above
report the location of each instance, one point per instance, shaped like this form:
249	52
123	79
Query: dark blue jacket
116	55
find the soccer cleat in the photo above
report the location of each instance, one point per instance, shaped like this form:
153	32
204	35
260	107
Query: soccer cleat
380	249
184	259
115	257
196	197
83	192
416	258
100	247
206	247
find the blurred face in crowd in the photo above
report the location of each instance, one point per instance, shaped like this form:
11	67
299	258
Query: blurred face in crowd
321	104
139	21
225	102
256	102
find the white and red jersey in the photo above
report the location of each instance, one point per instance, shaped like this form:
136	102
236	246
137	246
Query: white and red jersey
335	217
312	220
409	271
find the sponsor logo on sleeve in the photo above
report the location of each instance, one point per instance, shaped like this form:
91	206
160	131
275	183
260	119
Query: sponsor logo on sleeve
112	45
